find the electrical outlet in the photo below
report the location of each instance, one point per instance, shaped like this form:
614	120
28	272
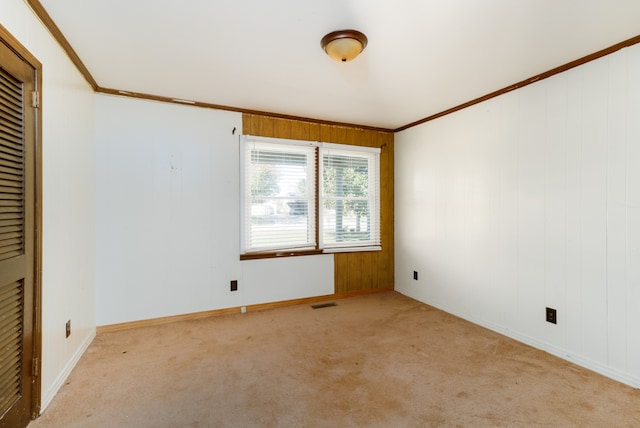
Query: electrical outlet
234	285
415	275
68	328
551	316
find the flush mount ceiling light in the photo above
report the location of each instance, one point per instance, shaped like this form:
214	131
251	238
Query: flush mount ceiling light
344	45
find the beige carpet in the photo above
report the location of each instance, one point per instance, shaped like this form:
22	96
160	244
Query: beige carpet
380	360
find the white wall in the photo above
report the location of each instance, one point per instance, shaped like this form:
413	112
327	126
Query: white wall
68	282
168	217
529	200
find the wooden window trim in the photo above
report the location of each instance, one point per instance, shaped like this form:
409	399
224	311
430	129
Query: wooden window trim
278	254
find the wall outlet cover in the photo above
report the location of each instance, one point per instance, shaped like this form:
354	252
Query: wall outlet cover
551	316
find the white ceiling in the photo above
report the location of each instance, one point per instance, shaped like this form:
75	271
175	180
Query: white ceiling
423	57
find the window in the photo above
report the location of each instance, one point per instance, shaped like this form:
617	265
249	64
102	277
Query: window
279	196
305	196
349	196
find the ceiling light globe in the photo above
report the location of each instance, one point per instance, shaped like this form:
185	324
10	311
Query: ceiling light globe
344	45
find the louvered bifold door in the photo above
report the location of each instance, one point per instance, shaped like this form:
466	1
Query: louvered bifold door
11	305
12	241
11	169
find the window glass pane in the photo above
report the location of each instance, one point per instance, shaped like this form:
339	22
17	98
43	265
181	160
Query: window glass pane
277	197
349	204
342	224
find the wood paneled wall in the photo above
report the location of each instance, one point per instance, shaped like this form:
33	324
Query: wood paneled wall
353	271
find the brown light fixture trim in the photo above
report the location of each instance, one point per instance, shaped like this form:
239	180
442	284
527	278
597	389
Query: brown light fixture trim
344	45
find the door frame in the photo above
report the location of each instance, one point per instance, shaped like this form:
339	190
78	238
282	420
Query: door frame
10	41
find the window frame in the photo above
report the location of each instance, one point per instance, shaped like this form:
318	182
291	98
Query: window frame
316	217
372	155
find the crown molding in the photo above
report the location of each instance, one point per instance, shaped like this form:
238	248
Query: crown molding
47	21
57	34
585	59
236	109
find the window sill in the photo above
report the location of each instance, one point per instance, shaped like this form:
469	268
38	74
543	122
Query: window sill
352	249
296	253
276	254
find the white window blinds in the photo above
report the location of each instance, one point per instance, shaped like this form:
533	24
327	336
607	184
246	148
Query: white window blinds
281	181
350	197
278	195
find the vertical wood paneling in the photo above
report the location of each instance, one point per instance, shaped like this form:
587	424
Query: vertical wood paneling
573	302
353	271
385	268
555	190
616	210
593	210
531	209
505	260
632	309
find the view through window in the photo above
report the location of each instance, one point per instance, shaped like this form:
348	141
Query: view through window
283	180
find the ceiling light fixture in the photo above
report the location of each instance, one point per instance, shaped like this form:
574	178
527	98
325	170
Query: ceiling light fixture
344	45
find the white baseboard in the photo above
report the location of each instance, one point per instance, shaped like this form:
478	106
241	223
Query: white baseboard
64	374
587	363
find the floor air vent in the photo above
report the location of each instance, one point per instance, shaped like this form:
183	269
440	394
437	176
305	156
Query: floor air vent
323	305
